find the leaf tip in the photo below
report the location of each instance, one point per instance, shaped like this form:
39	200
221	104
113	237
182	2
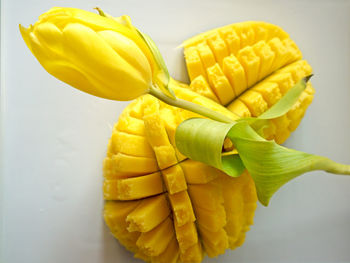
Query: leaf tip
263	198
307	78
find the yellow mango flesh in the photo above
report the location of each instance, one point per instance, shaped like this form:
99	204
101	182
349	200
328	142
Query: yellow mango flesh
148	214
186	235
154	242
245	52
167	208
133	188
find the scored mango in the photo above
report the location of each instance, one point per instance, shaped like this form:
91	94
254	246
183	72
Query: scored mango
166	208
252	51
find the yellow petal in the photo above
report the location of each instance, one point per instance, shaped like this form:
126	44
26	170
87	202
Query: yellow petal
71	75
25	35
49	33
61	16
88	51
128	50
62	69
50	37
124	20
38	50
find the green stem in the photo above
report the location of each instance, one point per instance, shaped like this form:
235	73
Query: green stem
187	105
333	167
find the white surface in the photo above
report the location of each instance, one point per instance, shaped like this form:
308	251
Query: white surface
55	137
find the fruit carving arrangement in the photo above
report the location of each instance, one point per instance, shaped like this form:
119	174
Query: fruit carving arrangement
160	204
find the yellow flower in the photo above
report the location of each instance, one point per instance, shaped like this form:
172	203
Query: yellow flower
101	56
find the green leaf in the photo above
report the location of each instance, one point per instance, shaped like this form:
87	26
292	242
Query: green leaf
270	165
163	76
202	140
280	108
286	102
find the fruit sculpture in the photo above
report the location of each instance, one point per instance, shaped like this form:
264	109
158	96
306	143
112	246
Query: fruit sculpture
161	205
166	208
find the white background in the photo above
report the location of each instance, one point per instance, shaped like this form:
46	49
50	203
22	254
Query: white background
54	137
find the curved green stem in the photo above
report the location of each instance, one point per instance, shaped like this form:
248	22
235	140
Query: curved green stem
187	105
333	167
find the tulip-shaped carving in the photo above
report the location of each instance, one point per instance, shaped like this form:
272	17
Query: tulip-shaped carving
98	55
